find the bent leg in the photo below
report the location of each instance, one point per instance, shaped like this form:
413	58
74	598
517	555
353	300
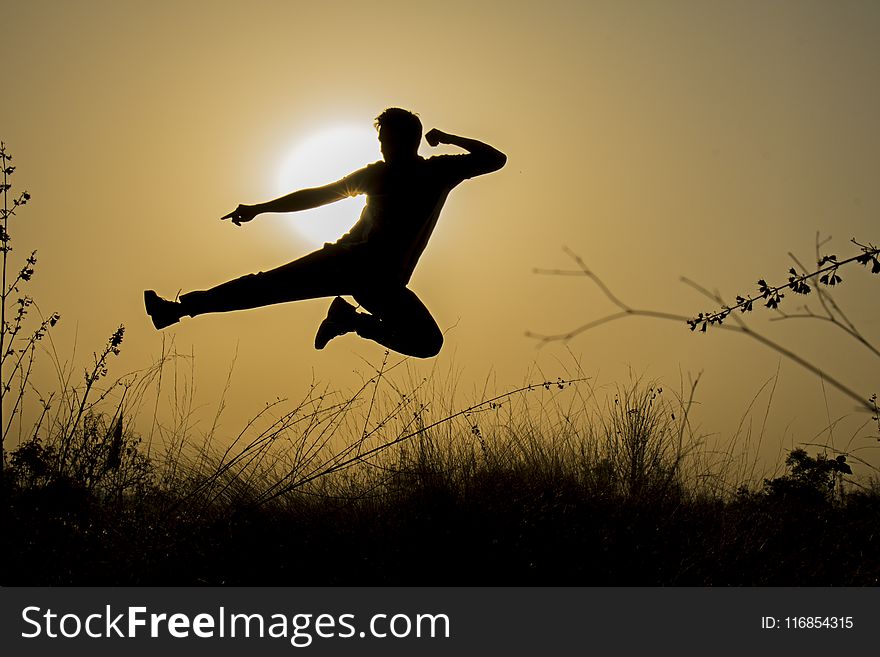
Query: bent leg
327	272
398	320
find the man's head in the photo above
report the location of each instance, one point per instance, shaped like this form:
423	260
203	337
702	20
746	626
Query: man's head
400	132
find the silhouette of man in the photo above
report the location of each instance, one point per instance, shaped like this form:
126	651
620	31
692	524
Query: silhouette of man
374	261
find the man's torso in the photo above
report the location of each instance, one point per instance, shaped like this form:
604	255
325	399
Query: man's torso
404	201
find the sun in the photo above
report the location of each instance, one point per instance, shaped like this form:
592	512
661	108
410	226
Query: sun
323	157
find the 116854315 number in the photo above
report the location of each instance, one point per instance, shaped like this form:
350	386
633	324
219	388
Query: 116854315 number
807	623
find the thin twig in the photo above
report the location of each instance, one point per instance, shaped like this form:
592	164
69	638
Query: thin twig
421	430
739	327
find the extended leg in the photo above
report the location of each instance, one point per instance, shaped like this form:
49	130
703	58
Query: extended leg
327	272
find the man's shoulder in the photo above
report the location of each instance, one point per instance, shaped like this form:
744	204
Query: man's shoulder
371	169
362	178
453	168
443	159
440	163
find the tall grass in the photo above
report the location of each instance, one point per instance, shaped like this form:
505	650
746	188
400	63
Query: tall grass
400	481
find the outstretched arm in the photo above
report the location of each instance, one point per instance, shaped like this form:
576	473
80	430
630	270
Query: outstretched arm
487	157
303	199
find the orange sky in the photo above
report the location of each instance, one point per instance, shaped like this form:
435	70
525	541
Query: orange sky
655	139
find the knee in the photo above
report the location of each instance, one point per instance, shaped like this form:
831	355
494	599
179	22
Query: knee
430	345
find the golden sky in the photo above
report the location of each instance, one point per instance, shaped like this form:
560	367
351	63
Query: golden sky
655	139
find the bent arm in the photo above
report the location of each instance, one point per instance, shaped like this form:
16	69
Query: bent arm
488	157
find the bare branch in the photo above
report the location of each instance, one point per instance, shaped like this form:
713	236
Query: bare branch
704	320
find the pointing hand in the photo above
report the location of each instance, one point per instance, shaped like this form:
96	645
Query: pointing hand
241	214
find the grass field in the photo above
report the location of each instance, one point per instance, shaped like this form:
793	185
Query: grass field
556	483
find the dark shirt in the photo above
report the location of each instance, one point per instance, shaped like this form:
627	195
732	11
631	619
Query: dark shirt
404	200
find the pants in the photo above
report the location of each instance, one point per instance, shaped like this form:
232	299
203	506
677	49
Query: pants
398	319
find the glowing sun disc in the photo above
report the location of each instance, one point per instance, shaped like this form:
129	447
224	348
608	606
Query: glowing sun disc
323	157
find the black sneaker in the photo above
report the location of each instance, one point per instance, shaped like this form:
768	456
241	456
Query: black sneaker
340	320
161	311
